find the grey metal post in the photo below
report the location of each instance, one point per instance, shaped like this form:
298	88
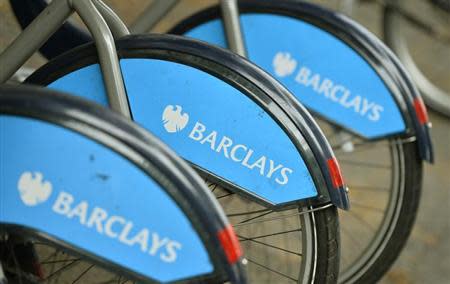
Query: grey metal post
106	48
118	28
2	276
230	15
33	37
152	15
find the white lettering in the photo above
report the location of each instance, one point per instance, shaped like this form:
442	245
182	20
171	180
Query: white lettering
338	93
62	203
234	150
285	179
97	217
375	114
261	164
302	76
123	237
247	157
325	87
211	138
109	224
272	168
197	131
171	248
157	243
81	211
224	144
142	239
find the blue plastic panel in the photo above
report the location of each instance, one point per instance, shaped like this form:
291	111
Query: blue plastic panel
325	74
59	182
209	123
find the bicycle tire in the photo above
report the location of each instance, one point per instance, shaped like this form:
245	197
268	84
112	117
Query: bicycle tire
387	243
189	53
434	96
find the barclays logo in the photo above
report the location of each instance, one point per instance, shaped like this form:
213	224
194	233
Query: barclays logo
283	64
173	119
33	190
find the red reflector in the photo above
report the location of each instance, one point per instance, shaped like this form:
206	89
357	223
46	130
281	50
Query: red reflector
335	171
421	110
230	244
38	270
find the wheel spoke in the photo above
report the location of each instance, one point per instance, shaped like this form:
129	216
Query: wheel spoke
365	164
242	238
361	220
272	270
59	261
83	273
225	195
368	188
351	236
247	213
253	218
61	269
272	234
269	219
367	207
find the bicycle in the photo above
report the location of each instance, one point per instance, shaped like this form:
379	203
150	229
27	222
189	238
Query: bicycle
87	200
402	140
263	104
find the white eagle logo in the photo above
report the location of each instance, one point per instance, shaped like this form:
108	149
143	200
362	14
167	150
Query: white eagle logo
284	64
33	190
174	120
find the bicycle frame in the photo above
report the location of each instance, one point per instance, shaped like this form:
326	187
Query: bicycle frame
230	14
104	26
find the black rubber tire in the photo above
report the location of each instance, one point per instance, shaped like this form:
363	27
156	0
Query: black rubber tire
326	227
405	222
328	267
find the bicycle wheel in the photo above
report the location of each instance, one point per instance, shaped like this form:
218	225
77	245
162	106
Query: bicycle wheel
384	202
162	70
271	240
404	28
97	218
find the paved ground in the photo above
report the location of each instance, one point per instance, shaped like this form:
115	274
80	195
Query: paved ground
426	258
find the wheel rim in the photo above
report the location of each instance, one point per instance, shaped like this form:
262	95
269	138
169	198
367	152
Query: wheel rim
280	247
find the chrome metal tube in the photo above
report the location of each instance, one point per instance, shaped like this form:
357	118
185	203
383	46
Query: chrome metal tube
33	37
230	15
106	48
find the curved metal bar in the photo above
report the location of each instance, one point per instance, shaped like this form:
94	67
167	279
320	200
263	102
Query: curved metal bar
230	13
152	15
33	37
106	49
118	28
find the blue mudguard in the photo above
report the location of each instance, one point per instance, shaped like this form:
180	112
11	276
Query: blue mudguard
262	143
79	182
334	66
